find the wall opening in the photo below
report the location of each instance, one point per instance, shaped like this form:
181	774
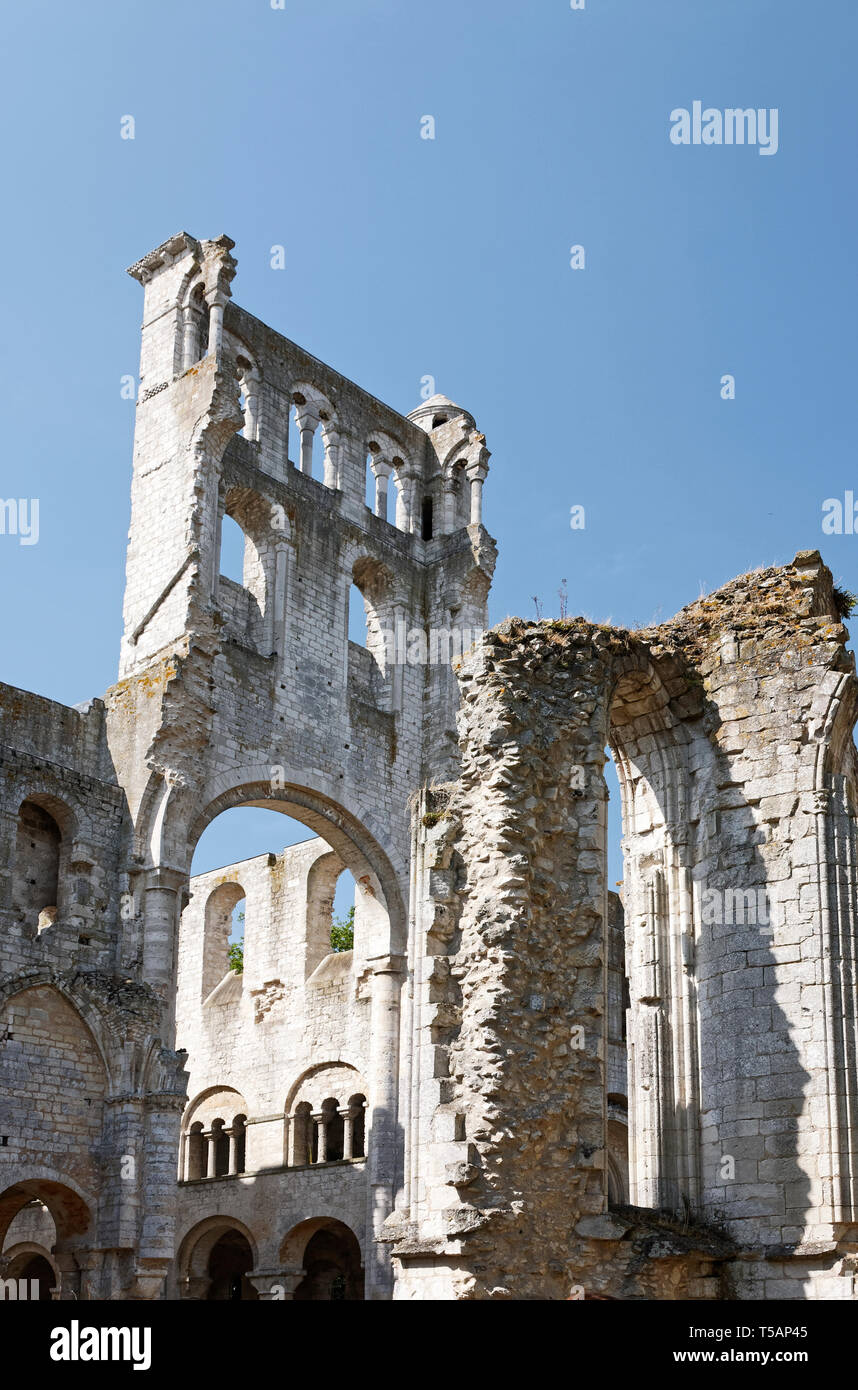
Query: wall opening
200	311
343	913
325	1117
214	1135
319	454
232	543
616	1055
230	1262
224	931
246	562
268	895
358	623
333	1267
371	623
36	883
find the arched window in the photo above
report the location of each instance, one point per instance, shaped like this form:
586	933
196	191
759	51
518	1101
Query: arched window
312	448
371	612
239	1138
332	1264
357	617
248	396
303	1135
327	1131
333	1122
196	1155
38	844
357	1114
199	327
379	473
426	519
213	1149
221	930
343	912
232	550
317	439
320	454
230	1261
220	1139
245	565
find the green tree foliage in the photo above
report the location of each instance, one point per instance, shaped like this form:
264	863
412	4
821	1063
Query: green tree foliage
235	951
343	931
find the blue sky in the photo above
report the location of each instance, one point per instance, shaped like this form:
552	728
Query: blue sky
449	257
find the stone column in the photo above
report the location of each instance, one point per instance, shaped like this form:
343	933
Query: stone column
307	421
397	674
448	506
164	1102
281	589
124	1142
233	1151
189	337
250	383
331	441
405	505
161	888
381	471
348	1130
211	1152
216	300
476	475
306	464
320	1120
383	1161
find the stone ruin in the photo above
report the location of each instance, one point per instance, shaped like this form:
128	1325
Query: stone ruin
516	1084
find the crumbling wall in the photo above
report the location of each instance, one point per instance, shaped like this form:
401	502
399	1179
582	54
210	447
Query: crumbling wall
732	726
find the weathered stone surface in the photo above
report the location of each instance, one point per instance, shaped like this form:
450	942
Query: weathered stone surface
517	1085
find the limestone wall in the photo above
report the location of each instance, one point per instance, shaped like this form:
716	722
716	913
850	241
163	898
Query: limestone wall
296	1009
653	1103
731	729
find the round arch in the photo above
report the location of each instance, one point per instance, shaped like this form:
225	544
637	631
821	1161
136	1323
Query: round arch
294	1244
94	1025
383	906
203	1098
23	1261
70	1207
333	1065
196	1246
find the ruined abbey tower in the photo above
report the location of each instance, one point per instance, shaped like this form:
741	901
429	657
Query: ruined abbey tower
516	1084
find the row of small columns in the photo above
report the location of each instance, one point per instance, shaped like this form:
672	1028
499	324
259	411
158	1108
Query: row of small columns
407	518
308	420
322	1118
249	383
215	302
407	509
210	1138
248	378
